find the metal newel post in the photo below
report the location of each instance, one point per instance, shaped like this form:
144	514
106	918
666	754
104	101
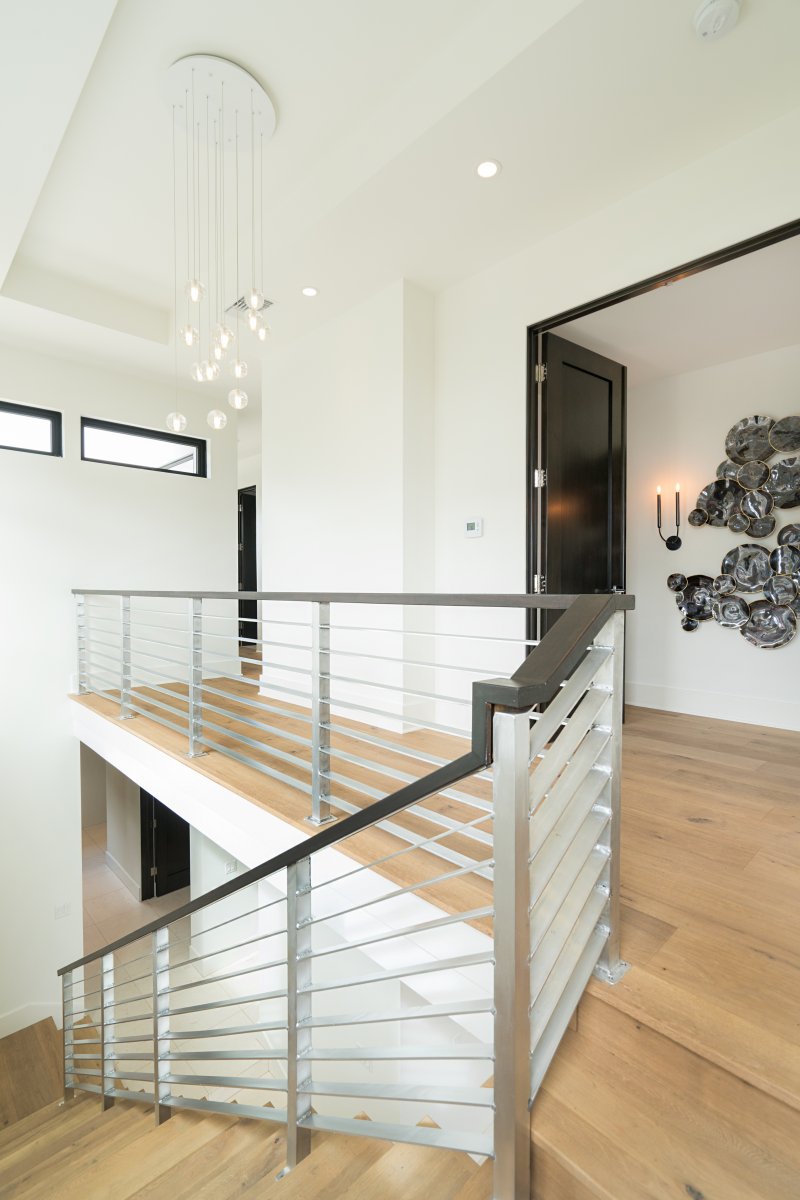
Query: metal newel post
196	677
320	713
67	1028
83	645
125	713
161	1067
611	966
512	985
106	1002
298	985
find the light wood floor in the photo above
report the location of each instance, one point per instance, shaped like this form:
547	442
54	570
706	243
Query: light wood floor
684	1079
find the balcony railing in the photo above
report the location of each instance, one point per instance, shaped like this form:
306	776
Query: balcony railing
433	937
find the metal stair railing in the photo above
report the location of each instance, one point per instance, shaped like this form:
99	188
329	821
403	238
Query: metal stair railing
356	973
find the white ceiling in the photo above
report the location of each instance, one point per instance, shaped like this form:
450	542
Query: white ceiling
383	111
742	308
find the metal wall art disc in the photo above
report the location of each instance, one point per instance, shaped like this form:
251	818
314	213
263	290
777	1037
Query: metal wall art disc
724	585
688	625
752	474
784	483
695	600
727	469
785	560
769	626
785	434
739	523
789	536
697	517
676	582
730	612
762	527
749	439
757	504
781	589
719	500
749	566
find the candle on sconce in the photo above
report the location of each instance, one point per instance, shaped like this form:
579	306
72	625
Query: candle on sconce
673	542
678	505
658	505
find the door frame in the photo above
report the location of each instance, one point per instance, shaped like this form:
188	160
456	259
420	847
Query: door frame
533	432
250	490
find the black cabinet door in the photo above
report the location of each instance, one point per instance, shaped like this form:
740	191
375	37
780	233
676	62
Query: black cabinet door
248	568
165	848
580	514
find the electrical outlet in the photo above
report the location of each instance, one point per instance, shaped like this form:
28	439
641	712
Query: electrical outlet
231	867
62	910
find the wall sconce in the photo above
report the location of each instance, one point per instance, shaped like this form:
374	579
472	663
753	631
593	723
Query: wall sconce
673	542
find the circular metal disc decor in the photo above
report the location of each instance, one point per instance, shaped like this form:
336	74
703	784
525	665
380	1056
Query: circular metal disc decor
731	612
688	625
761	527
720	500
697	517
739	523
785	560
785	435
695	600
781	589
749	439
752	474
727	469
749	566
724	585
784	483
676	582
757	504
769	626
789	536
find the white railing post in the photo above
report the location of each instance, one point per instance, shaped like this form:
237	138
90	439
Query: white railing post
298	1008
83	645
106	1039
195	677
67	1027
161	1068
320	713
611	966
512	1135
125	713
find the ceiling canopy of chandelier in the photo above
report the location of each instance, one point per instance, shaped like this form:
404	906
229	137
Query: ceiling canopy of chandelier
221	120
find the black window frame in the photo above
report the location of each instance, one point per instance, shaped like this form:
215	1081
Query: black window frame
49	414
200	444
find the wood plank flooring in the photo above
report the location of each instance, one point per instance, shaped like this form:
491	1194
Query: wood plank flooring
30	1070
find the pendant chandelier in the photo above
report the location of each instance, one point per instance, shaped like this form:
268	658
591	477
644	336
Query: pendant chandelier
221	119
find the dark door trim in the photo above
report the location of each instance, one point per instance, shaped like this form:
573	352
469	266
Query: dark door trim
716	258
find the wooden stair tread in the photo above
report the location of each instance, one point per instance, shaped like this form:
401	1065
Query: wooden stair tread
56	1141
28	1127
30	1070
629	1111
241	1159
334	1165
413	1173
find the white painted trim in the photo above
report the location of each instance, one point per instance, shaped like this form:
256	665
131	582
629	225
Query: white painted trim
720	706
28	1014
123	875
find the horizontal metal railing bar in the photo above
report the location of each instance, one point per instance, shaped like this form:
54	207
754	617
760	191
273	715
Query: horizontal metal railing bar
383	743
431	633
138	653
403	891
220	924
414	1135
380	768
182	987
407	931
298	784
338	702
94	653
93	1088
270	620
558	710
417	1093
379	862
250	721
421	1012
585	723
264	1083
258	997
409	599
136	636
143	712
270	708
577	871
148	1016
254	744
261	682
210	659
580	823
575	922
253	1112
407	662
95	641
580	785
557	981
124	1094
190	962
430	815
456	1053
432	967
189	1035
223	1055
391	687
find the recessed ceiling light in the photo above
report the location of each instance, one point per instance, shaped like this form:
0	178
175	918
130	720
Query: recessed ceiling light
488	169
309	291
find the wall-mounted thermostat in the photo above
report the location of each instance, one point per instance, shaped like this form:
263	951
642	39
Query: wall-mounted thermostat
473	527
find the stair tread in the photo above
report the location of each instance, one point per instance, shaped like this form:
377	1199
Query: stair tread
54	1142
334	1165
238	1159
30	1126
635	1116
413	1173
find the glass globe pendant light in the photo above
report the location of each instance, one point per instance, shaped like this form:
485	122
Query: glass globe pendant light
255	299
218	352
239	369
176	422
252	319
195	290
198	373
237	399
224	336
263	332
217	419
189	335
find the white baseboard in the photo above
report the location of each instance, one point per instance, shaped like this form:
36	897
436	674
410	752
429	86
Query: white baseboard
721	706
28	1014
130	883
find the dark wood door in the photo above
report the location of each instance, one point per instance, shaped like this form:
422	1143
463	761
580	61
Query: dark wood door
165	848
248	568
579	536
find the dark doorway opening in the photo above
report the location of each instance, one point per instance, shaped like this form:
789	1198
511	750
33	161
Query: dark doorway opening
248	564
165	848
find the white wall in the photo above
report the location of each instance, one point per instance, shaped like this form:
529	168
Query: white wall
93	788
676	430
249	475
65	524
123	830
